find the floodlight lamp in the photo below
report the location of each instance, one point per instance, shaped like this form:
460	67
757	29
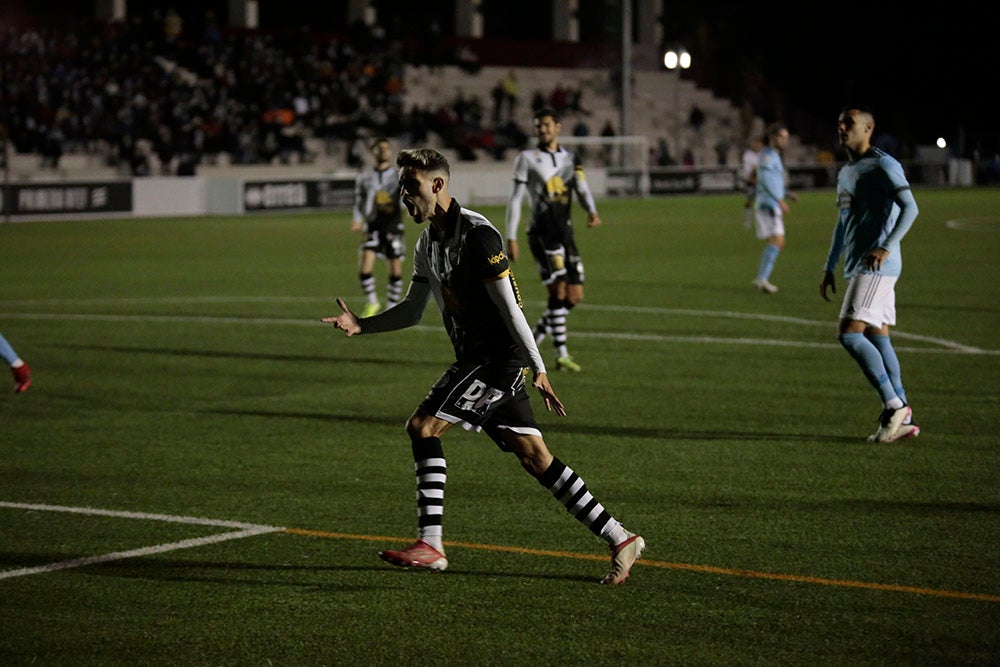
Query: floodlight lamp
671	59
684	59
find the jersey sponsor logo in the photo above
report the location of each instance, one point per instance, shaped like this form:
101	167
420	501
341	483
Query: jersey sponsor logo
517	292
844	199
479	397
496	259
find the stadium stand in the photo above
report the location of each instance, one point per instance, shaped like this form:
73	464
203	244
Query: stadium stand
125	98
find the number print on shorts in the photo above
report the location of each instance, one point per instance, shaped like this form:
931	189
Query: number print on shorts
478	397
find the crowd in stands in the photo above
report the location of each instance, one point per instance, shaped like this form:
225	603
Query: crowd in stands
188	93
161	93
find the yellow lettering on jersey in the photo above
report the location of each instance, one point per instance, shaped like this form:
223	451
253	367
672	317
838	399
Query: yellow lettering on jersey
496	259
517	292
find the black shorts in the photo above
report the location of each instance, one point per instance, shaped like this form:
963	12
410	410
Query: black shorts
489	397
385	244
557	258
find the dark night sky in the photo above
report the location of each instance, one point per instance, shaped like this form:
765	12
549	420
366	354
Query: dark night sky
925	72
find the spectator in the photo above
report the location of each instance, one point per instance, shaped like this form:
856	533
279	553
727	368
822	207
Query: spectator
607	149
499	98
576	101
511	91
538	101
696	119
581	129
559	99
663	157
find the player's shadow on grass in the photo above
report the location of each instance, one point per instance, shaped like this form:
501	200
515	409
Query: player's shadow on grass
221	354
641	432
218	572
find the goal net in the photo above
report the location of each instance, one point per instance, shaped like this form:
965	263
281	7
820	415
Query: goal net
625	159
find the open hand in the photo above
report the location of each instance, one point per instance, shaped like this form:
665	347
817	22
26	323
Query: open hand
346	321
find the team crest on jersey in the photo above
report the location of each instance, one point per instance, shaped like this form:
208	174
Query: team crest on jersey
384	202
556	189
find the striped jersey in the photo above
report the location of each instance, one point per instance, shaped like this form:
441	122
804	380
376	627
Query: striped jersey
377	200
457	264
549	178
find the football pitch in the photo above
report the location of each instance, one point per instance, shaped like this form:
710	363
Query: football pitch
203	472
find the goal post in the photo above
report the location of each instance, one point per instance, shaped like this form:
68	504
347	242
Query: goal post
626	160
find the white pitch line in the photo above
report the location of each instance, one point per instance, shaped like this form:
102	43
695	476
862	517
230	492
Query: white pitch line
245	530
950	345
135	553
135	515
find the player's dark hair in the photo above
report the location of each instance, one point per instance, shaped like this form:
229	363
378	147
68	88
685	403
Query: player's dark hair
860	106
376	141
773	130
547	111
423	159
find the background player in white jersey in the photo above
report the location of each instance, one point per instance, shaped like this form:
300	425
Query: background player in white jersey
771	206
22	374
549	174
378	216
459	258
877	209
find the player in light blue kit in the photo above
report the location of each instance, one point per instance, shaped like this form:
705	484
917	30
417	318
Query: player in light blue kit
877	208
22	374
771	206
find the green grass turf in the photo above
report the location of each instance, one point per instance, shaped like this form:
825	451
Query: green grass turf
181	369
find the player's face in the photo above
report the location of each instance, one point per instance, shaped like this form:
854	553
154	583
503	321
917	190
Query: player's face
852	129
417	192
547	129
382	152
780	140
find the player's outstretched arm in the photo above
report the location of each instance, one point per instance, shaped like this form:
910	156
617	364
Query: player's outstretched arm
346	321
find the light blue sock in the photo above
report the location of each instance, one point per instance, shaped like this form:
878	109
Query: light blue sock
7	353
884	346
870	361
767	259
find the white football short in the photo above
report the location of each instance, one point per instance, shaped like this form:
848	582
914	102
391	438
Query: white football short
769	223
870	298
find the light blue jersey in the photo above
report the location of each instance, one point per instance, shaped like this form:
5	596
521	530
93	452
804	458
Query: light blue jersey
877	208
770	179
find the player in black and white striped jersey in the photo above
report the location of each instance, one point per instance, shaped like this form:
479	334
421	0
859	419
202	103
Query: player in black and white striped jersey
549	175
459	259
378	216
